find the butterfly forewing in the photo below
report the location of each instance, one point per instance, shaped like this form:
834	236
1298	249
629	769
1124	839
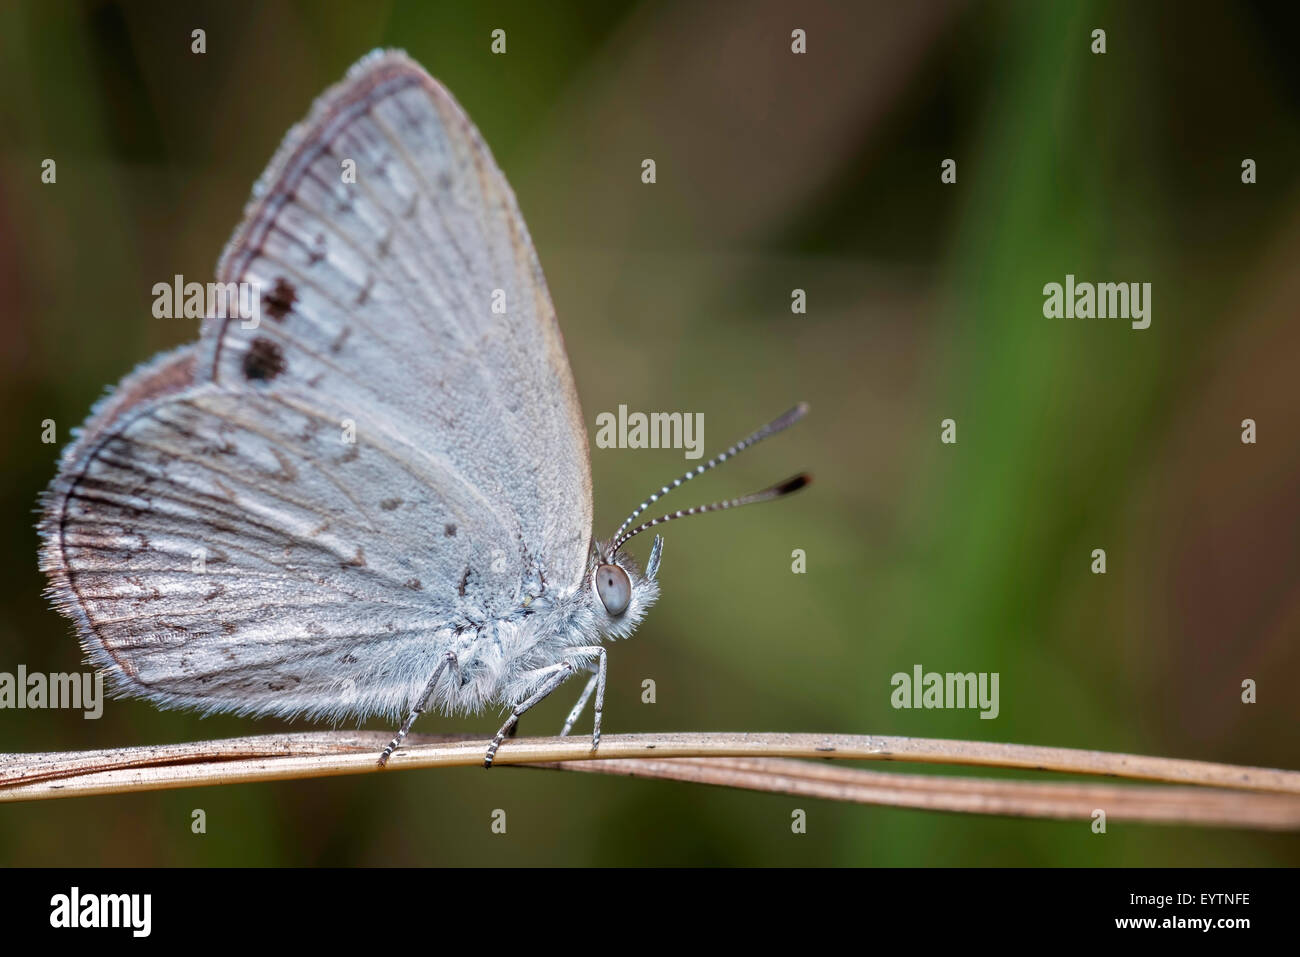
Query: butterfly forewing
416	289
284	520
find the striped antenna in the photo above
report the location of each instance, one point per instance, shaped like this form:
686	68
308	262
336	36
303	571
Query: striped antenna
773	427
774	491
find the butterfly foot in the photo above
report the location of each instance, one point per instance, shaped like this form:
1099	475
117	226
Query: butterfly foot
496	743
392	746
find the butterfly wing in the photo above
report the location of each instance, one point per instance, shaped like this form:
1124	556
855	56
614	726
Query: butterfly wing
397	272
297	515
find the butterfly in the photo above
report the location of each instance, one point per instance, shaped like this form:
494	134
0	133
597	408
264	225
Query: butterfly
377	499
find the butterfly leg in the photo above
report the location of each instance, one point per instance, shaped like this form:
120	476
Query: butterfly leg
558	674
595	683
448	661
577	708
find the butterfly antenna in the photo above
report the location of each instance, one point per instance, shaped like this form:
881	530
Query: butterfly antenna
776	425
774	491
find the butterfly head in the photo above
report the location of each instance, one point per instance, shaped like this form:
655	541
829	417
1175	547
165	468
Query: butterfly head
621	593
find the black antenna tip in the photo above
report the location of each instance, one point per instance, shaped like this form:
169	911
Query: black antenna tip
793	484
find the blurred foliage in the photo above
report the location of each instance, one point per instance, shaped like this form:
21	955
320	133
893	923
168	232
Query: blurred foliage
775	172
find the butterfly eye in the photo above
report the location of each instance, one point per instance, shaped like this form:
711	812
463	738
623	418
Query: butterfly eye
614	588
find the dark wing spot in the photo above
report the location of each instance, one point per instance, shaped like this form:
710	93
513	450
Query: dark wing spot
263	361
364	295
449	530
280	299
389	504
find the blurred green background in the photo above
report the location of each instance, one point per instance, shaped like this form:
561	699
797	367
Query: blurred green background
775	172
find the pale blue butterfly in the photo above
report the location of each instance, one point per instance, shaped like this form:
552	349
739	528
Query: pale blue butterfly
379	499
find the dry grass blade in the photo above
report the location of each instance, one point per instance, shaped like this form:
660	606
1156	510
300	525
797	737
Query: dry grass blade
1221	796
1210	807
